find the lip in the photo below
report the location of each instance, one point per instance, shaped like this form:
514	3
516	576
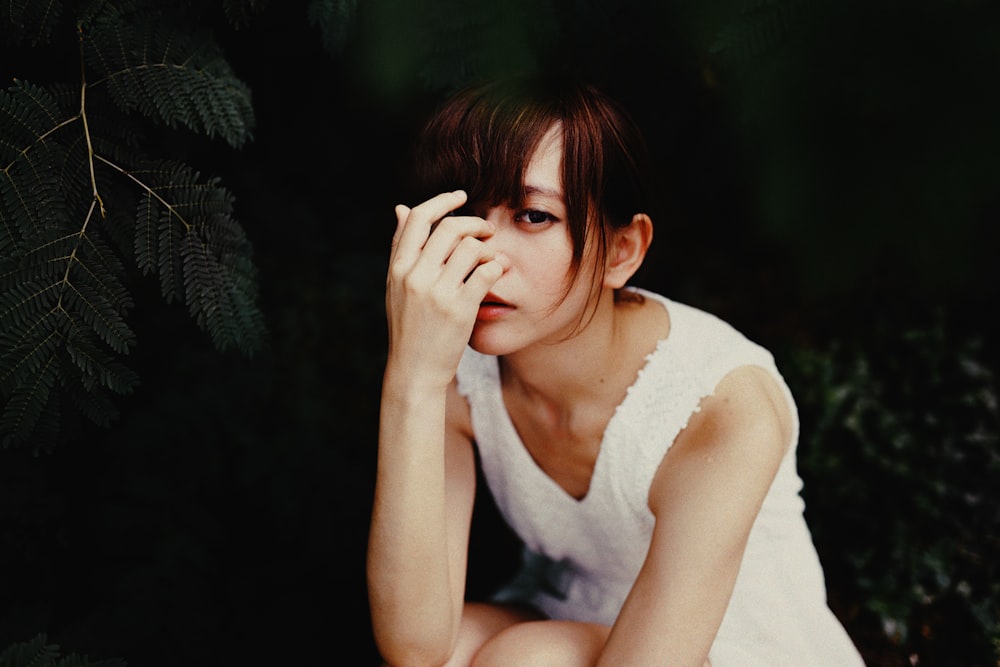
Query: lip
493	300
492	308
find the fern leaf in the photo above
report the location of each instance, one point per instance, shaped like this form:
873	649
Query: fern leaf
30	160
71	207
92	403
101	267
99	369
28	349
80	299
201	253
37	653
27	402
24	305
27	112
167	73
60	287
31	20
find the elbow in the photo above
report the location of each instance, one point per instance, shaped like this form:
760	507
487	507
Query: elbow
414	656
424	649
413	637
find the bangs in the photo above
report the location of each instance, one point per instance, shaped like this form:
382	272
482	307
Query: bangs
481	141
483	138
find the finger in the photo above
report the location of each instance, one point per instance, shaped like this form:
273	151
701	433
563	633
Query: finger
415	229
402	213
469	257
484	276
451	232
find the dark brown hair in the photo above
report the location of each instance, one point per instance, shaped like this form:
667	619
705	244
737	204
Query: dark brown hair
482	138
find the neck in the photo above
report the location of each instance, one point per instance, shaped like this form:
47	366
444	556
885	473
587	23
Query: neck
574	371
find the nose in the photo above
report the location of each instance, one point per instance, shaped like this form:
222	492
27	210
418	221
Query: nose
500	242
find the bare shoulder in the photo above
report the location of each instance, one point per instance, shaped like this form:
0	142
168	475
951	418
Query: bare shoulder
749	398
742	430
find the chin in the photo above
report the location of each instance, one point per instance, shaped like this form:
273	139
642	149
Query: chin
484	343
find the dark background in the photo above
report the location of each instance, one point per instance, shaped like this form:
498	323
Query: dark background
830	189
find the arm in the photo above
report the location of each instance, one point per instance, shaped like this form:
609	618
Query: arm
425	476
419	536
706	495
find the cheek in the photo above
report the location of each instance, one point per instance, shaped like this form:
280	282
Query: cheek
548	269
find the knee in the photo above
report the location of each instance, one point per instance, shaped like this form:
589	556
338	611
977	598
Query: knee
512	646
542	644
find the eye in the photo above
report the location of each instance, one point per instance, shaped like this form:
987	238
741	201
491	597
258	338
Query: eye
534	217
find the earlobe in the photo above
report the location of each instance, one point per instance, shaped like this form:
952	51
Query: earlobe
628	250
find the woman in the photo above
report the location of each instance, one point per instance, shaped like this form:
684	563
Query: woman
643	450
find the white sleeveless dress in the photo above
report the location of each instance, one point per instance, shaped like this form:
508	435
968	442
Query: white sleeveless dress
581	557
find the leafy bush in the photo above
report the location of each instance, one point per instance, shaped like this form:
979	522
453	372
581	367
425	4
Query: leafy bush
901	428
39	653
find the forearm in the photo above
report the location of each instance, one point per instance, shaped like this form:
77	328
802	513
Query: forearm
415	588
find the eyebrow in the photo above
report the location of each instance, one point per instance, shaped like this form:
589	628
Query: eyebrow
548	192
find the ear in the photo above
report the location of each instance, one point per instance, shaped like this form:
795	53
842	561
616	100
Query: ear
628	250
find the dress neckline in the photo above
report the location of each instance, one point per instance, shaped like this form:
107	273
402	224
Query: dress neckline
620	412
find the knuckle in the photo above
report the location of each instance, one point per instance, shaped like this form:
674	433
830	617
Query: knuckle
470	244
412	282
396	274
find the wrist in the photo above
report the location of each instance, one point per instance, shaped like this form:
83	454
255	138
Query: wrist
405	383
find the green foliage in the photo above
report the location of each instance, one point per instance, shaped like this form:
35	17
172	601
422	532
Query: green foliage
39	653
869	134
760	28
84	209
901	451
172	73
334	18
442	44
241	12
30	21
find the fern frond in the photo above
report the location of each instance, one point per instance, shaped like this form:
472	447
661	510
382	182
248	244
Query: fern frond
28	344
30	160
28	113
32	200
74	210
27	402
168	73
185	231
32	20
81	300
62	292
37	651
99	369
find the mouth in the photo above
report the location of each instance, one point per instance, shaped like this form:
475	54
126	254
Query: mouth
493	300
492	308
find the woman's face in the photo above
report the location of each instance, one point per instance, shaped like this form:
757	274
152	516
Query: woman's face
537	300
